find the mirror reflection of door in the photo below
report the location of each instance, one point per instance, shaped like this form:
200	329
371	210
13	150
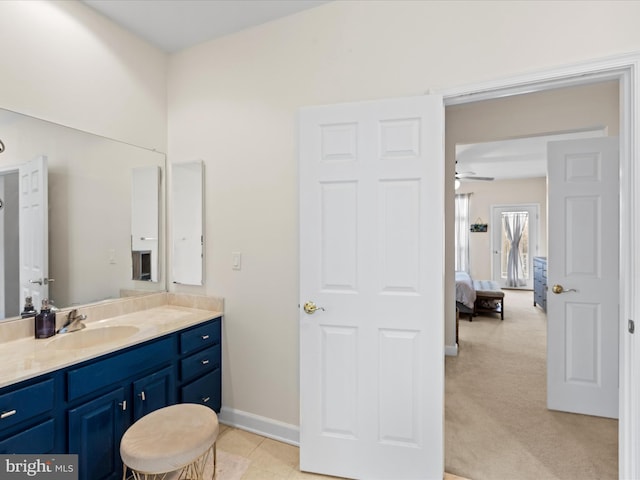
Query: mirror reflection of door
514	244
145	191
34	231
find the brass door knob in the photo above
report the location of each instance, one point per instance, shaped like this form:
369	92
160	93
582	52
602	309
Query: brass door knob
557	288
310	308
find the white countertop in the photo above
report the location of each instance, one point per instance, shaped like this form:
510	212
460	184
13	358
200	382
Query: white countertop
29	357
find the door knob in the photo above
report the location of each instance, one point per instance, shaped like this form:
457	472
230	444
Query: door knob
311	307
557	288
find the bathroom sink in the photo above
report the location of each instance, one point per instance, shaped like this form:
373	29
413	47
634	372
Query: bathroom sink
92	337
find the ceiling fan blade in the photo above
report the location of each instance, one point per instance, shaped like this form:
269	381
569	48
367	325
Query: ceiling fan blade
482	179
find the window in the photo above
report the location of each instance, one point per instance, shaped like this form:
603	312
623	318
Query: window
462	232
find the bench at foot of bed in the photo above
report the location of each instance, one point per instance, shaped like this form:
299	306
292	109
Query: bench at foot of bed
489	298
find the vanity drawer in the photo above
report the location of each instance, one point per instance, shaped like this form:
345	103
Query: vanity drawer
25	403
38	439
200	363
202	336
205	391
103	373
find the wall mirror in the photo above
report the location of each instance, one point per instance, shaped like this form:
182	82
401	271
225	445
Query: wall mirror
187	207
89	213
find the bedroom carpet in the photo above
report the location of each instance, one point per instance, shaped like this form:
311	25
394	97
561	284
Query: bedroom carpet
497	426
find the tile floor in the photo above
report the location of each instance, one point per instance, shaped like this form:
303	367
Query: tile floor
270	459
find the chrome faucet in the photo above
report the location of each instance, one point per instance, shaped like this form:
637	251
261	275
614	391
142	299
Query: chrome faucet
74	322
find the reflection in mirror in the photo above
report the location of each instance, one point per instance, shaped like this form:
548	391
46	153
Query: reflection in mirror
187	207
145	183
33	241
89	214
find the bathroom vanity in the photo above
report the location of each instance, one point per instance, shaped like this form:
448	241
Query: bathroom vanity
85	406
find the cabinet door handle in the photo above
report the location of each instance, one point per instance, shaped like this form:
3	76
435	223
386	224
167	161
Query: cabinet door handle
141	395
123	404
205	337
204	362
7	414
205	399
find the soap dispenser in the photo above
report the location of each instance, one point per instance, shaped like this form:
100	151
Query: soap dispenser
45	321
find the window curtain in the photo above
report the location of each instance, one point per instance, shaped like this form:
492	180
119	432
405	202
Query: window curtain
514	224
462	232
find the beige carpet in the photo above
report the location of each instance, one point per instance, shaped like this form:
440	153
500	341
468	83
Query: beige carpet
497	426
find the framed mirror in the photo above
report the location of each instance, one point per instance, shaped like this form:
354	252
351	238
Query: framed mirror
89	212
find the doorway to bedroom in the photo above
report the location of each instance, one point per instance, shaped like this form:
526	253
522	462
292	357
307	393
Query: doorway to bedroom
585	107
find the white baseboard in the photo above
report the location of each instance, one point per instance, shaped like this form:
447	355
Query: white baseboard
267	427
451	350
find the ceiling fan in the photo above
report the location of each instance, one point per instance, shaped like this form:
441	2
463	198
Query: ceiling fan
472	176
464	176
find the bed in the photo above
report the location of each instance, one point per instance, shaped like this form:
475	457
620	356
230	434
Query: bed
475	296
465	294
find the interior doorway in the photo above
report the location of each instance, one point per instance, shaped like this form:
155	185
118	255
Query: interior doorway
541	89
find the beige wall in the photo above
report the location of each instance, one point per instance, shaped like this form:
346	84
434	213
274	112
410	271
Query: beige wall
233	103
63	62
485	195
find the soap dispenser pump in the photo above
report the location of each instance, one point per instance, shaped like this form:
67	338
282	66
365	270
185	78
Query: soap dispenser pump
45	321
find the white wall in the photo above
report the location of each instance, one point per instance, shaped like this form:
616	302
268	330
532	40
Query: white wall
233	103
63	62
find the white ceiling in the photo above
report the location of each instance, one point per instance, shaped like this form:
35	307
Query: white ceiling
514	158
173	25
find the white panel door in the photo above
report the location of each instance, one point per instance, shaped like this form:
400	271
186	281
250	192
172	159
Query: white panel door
34	231
582	301
371	260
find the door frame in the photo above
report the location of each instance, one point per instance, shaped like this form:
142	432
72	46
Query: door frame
626	69
534	240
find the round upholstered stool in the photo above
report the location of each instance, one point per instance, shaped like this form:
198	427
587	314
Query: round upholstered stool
172	442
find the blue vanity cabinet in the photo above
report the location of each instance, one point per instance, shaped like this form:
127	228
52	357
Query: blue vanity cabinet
86	408
153	392
27	417
201	365
95	430
111	393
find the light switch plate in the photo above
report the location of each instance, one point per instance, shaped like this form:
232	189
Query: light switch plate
236	260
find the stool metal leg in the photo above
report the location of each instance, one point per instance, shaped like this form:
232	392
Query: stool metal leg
144	476
196	469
